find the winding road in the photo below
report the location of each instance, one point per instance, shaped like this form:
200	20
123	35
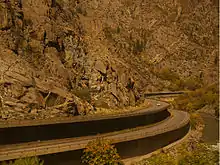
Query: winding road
163	122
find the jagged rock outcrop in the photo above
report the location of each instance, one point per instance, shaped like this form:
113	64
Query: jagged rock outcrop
66	57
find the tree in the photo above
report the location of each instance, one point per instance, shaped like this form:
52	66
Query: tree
100	152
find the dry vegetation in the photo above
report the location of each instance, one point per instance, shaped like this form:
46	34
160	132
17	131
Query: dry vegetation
202	154
68	57
195	100
100	152
145	104
25	161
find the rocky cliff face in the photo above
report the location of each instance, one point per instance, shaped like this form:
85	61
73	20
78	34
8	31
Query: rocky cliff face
67	57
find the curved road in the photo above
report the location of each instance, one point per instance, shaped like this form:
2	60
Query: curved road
154	108
82	126
177	120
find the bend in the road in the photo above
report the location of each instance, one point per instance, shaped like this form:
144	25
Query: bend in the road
154	108
178	120
158	112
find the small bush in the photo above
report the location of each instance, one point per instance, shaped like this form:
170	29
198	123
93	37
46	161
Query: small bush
168	74
26	161
192	83
100	152
109	32
176	85
138	46
195	120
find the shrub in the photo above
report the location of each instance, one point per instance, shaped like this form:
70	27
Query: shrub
194	104
108	31
192	83
195	120
100	152
210	97
177	84
197	99
168	74
138	46
26	161
216	112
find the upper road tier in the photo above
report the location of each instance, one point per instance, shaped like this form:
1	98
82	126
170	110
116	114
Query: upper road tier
83	126
156	106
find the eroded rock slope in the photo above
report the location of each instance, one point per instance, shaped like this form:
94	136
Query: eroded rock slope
68	57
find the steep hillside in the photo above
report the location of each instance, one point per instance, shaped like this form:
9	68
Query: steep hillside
68	57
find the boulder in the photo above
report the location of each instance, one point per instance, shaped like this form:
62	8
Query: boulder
100	66
4	17
113	89
131	98
33	96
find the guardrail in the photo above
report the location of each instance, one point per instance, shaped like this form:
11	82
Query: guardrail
164	93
